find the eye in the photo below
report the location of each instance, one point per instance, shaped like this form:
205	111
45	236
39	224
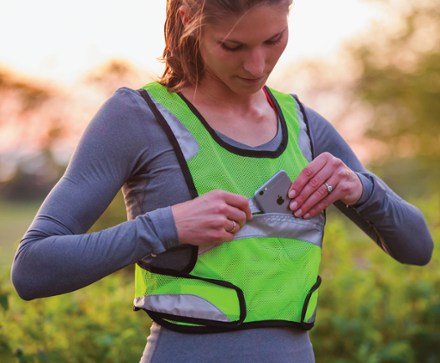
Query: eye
230	47
275	40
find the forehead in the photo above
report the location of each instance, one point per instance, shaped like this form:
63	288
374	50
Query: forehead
259	23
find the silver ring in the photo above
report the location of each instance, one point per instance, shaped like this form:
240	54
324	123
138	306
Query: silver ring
329	187
234	225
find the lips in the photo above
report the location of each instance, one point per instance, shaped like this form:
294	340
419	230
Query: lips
252	80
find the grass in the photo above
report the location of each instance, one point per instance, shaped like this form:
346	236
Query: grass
15	218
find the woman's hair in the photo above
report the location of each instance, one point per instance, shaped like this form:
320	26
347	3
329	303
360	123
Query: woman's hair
183	62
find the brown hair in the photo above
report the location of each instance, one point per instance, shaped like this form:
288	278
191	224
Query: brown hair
183	63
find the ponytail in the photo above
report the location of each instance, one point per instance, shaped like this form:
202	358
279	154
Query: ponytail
183	64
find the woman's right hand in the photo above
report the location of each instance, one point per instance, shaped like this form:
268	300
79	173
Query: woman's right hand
212	218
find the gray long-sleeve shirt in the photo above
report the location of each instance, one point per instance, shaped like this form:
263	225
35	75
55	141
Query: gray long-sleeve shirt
124	147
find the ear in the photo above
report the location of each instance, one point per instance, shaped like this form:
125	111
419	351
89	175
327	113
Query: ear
184	14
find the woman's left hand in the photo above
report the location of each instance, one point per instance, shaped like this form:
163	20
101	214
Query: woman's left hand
321	183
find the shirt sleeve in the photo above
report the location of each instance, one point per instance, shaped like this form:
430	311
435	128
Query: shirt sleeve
389	220
57	255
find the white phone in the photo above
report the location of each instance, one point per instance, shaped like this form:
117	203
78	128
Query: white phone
272	196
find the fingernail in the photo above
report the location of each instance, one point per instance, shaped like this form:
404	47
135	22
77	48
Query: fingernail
293	205
292	193
298	213
306	216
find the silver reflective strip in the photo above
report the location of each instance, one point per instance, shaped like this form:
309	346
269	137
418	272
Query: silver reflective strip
313	317
284	226
303	137
281	226
186	140
190	306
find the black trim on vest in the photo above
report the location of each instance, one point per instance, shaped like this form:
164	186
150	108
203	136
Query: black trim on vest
306	121
161	319
245	152
309	295
172	138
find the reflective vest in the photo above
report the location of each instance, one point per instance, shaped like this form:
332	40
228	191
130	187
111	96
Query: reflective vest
268	275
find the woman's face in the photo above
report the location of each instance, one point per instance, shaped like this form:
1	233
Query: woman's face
239	53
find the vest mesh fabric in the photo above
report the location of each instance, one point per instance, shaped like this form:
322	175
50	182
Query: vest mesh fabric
276	275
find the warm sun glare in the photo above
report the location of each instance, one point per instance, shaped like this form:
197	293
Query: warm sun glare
59	40
54	46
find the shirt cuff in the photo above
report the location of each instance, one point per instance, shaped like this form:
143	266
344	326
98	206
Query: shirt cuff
163	223
367	190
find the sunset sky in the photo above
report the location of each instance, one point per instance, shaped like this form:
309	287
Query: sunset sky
59	41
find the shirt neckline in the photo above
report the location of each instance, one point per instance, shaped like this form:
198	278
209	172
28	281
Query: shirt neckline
268	149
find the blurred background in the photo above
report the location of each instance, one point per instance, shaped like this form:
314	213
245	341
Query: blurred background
371	67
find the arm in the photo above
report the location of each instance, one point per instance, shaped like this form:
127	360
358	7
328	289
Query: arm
56	255
122	145
389	220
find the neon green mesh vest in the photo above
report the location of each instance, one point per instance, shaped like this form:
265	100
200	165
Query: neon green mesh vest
268	275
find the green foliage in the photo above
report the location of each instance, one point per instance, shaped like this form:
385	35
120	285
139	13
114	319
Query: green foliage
15	218
95	324
371	310
401	77
400	86
113	215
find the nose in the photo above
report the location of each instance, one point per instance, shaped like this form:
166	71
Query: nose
255	62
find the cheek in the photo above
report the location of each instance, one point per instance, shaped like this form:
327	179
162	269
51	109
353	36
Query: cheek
279	50
219	62
273	57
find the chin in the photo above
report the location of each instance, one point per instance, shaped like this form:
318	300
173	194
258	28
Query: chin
248	89
251	90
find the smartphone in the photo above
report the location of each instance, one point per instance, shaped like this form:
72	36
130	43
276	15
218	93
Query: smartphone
272	197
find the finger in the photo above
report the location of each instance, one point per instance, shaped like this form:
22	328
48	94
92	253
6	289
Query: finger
314	191
308	175
236	215
321	199
343	184
230	206
233	228
241	203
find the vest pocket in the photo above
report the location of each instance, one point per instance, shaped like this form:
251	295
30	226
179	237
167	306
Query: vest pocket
283	225
176	261
194	301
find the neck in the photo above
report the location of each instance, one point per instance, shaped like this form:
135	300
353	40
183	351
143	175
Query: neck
247	118
209	94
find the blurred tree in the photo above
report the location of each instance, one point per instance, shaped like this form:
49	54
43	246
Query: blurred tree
399	84
30	115
40	124
114	74
31	94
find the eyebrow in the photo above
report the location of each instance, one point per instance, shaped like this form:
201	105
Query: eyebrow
236	42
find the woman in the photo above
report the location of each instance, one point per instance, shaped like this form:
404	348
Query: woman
189	152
